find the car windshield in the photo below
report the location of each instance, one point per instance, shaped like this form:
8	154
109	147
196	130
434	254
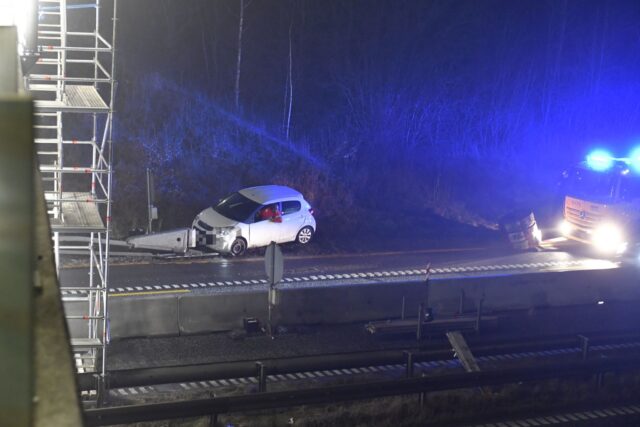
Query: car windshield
237	207
630	188
591	185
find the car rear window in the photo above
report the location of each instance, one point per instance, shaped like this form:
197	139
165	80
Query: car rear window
290	206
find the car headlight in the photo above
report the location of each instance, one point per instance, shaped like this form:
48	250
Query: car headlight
609	238
565	228
223	231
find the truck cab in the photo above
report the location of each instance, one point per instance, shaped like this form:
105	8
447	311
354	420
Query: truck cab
602	203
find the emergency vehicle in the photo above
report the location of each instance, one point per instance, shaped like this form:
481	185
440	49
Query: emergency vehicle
602	201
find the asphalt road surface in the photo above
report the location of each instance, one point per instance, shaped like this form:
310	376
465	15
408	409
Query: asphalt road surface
455	261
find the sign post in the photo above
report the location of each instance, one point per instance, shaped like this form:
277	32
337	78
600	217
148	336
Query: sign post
274	266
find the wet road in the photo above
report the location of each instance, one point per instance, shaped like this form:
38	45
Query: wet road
456	261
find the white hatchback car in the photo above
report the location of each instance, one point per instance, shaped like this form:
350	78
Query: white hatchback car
254	217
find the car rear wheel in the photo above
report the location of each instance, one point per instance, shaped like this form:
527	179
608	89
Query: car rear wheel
238	247
304	235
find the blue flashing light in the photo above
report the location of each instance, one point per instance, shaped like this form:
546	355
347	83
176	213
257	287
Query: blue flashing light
634	159
600	160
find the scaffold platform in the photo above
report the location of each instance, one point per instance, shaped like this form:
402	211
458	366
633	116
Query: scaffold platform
76	98
79	214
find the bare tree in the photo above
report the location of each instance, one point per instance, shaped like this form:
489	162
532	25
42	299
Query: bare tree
289	89
239	58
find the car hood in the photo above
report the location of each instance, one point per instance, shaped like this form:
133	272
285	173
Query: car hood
213	219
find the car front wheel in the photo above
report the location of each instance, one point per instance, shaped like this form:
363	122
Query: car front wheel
238	247
304	235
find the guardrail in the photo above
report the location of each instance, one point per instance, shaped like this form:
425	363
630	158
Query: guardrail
290	365
350	392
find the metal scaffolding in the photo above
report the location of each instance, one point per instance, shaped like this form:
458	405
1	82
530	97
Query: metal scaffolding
72	83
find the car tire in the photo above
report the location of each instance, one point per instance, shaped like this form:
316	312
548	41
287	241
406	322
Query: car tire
305	235
238	247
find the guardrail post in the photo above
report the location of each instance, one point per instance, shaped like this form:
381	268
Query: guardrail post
600	380
262	377
420	321
584	344
479	315
102	390
213	420
423	395
409	364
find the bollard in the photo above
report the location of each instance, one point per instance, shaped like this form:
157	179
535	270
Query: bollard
262	377
408	356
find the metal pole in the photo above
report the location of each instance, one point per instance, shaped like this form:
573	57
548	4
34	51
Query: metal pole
420	321
423	395
149	213
479	315
402	313
105	321
408	364
272	290
262	377
270	313
584	344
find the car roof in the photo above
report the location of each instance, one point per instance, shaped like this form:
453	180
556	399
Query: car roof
265	193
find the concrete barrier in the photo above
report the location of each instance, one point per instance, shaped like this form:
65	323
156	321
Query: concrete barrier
143	316
347	304
326	303
200	313
554	289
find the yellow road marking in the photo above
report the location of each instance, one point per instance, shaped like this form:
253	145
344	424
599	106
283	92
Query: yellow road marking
134	294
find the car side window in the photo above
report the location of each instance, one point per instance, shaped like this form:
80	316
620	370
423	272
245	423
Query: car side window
267	212
290	206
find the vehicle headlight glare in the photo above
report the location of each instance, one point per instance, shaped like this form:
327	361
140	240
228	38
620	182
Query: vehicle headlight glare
565	228
609	238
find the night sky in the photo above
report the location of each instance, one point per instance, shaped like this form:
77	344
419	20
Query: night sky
356	103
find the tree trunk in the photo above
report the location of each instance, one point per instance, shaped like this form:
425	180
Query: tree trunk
239	59
290	88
